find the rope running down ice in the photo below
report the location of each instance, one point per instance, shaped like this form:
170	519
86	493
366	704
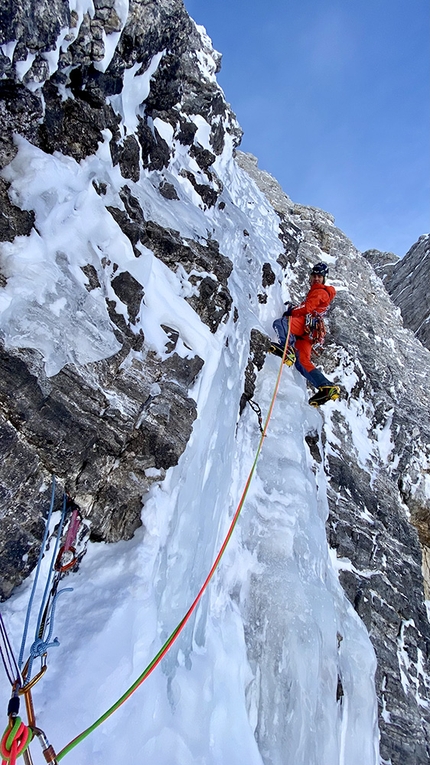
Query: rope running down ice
171	639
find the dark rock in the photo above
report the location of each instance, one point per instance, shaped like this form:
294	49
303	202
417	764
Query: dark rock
167	86
173	336
183	371
128	227
91	274
258	348
101	188
186	133
128	157
95	449
209	103
20	112
213	303
13	221
130	292
73	127
203	157
217	139
268	275
168	191
313	442
25	21
155	151
92	86
207	193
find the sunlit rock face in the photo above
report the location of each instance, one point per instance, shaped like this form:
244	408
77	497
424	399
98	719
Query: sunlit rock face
382	262
406	281
140	262
408	287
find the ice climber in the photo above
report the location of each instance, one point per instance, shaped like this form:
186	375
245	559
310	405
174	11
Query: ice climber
306	329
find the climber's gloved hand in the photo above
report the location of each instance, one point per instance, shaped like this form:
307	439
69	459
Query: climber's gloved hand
288	309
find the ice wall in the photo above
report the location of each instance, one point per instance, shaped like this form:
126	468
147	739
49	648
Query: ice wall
275	667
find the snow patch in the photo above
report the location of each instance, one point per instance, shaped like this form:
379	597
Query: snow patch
129	103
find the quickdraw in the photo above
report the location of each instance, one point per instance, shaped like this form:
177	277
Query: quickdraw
256	408
67	557
47	748
17	736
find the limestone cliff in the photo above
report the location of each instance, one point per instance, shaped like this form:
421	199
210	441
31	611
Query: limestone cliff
408	288
406	281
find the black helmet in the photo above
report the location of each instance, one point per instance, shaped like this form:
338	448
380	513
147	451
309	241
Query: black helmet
320	269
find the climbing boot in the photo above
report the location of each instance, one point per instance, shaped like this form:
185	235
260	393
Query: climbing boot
290	357
278	350
325	393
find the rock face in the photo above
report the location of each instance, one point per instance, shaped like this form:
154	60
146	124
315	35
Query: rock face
131	424
61	88
408	287
406	281
383	263
375	493
134	102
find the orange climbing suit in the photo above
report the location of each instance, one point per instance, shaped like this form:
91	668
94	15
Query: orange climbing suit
317	301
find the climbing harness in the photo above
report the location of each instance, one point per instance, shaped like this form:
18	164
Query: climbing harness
47	615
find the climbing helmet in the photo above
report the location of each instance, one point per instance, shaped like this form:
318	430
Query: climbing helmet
320	269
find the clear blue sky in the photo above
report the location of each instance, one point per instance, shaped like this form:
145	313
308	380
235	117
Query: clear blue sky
334	100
